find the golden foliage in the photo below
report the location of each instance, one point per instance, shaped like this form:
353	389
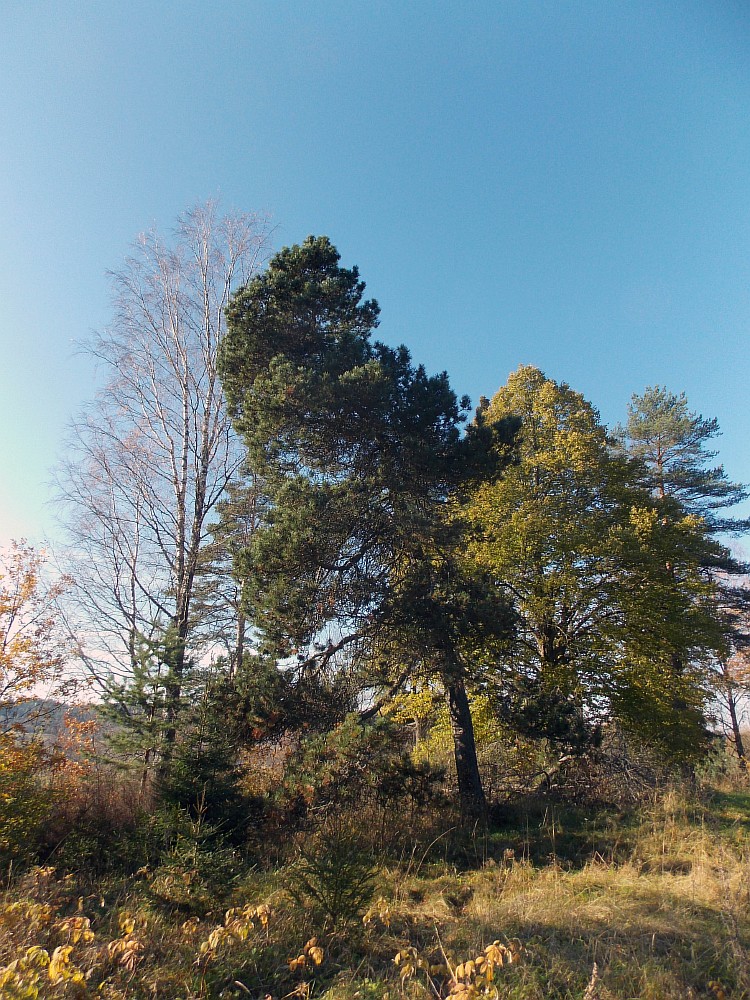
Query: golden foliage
379	912
312	954
25	977
238	922
126	951
76	929
32	655
467	980
31	649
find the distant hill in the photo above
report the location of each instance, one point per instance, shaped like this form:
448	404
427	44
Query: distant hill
43	716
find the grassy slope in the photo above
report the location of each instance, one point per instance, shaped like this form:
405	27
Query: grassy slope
658	901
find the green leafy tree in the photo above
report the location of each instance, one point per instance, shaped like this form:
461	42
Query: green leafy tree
359	450
575	541
672	445
674	631
549	531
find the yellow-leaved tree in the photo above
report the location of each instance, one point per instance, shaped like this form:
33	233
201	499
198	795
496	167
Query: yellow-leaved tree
606	589
31	649
32	655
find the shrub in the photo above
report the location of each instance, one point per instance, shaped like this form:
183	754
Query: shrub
199	869
333	878
356	764
25	803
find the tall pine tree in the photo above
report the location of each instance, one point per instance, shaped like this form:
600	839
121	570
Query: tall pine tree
673	444
359	450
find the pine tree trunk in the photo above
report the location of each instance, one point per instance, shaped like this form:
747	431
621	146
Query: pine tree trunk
470	792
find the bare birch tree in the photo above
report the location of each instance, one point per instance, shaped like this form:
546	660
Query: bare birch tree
154	452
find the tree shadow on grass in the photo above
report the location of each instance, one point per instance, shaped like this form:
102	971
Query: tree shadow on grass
647	942
729	810
543	831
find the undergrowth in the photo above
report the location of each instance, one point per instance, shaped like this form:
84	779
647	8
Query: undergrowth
550	903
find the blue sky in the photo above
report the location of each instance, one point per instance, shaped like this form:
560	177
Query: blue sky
565	184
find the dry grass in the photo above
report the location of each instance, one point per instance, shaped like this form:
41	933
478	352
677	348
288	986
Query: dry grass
659	905
671	921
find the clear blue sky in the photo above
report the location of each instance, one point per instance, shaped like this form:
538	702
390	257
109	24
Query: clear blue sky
565	184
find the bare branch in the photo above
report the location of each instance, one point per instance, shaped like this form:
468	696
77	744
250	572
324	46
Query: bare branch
155	451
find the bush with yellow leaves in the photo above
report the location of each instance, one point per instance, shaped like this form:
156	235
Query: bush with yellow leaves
127	950
30	976
475	978
238	923
312	954
467	980
51	955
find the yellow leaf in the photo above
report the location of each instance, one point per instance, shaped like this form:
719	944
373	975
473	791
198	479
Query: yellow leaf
36	957
58	963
